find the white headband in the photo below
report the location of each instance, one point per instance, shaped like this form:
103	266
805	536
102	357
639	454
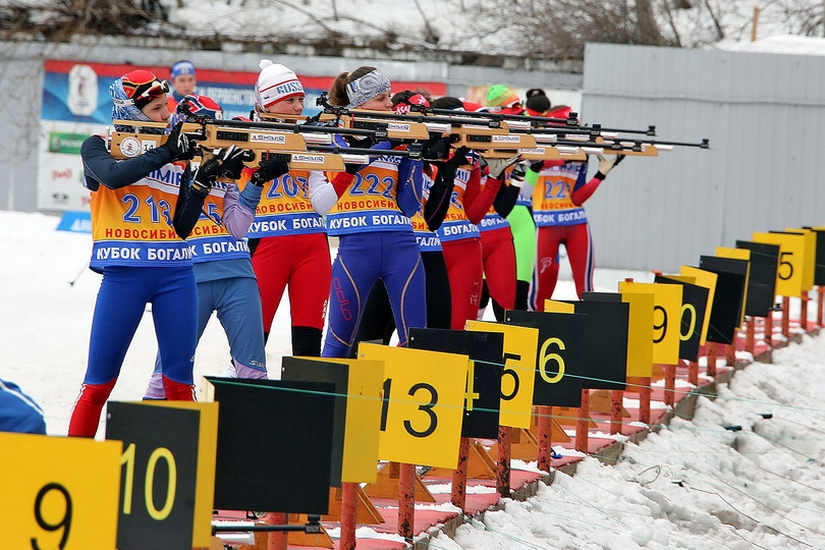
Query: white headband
366	87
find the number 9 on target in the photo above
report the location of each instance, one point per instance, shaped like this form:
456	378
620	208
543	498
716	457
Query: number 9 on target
58	492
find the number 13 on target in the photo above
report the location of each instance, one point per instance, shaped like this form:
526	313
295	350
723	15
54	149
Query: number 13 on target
58	492
423	404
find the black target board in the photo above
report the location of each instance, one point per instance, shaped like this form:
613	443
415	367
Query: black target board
486	350
606	331
560	360
728	300
274	442
762	281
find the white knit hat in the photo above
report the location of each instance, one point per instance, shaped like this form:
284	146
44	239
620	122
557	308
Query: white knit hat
276	83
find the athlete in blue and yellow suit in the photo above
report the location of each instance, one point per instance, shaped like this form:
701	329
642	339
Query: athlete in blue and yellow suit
372	221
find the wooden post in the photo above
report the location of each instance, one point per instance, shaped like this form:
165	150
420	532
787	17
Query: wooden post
803	312
459	491
755	24
503	466
786	317
544	443
616	402
750	335
670	385
277	539
693	373
582	421
349	515
820	291
769	329
406	501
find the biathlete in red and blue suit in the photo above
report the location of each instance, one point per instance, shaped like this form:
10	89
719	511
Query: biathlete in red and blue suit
139	249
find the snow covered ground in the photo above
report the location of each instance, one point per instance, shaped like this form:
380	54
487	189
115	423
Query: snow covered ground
695	485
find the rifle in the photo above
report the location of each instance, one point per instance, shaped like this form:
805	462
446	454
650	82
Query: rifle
304	147
473	131
526	123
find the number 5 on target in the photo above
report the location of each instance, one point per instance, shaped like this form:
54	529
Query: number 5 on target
518	378
423	404
58	492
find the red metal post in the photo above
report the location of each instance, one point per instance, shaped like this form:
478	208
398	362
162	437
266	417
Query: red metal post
544	444
349	515
582	422
459	490
616	402
644	399
406	501
503	466
670	385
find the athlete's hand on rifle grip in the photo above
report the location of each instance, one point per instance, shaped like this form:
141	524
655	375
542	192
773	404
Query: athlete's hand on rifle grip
436	148
496	167
232	161
178	144
537	166
269	170
360	142
606	164
205	176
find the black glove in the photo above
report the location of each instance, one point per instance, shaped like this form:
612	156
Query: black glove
269	170
205	177
435	209
360	142
351	168
232	162
178	144
447	170
607	164
537	166
436	148
518	173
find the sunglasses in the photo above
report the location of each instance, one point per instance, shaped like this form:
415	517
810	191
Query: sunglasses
156	89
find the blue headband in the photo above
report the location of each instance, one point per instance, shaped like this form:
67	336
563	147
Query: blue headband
181	68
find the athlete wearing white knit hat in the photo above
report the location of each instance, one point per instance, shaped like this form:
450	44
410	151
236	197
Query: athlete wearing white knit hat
276	83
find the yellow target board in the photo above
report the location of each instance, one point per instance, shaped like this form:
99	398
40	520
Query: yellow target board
59	492
790	272
667	315
363	419
703	278
809	267
518	379
422	404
